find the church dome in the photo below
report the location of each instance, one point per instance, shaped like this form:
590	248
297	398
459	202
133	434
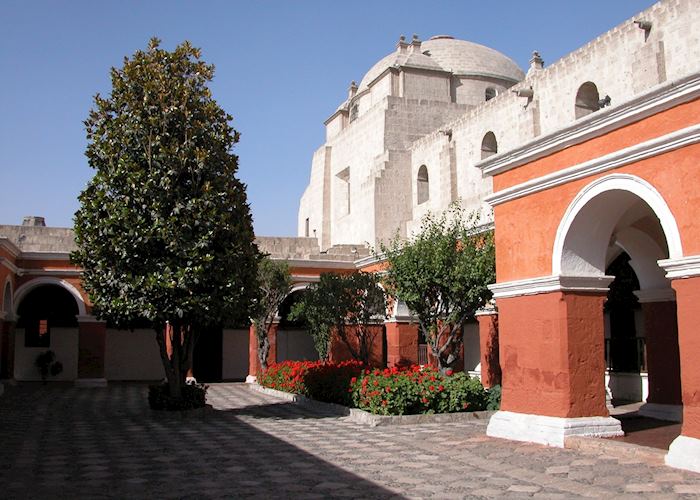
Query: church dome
449	54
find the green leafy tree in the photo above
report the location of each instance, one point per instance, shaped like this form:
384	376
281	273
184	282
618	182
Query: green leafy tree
275	284
347	305
164	230
442	275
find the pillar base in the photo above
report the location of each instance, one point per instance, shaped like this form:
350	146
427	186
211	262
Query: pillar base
551	431
684	453
91	382
251	379
671	413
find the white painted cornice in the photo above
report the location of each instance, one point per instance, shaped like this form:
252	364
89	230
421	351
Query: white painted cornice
656	295
685	267
638	152
88	318
45	256
659	99
4	261
50	272
7	244
321	264
548	284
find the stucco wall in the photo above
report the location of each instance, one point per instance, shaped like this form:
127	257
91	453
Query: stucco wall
64	342
132	355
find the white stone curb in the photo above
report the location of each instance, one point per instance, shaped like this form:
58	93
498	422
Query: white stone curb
367	418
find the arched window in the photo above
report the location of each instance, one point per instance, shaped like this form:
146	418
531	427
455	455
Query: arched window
587	99
490	93
489	146
423	185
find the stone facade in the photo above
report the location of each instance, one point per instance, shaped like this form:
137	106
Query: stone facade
364	179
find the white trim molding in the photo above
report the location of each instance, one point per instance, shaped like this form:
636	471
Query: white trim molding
320	264
550	431
684	453
659	99
46	256
670	413
4	261
655	295
88	318
7	244
684	267
648	149
548	284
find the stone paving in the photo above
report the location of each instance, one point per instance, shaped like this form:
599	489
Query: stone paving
58	441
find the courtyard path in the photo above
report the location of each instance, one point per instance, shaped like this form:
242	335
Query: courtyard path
58	441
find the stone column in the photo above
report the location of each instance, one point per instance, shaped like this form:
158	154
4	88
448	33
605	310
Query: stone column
253	362
684	452
488	347
552	357
92	334
663	358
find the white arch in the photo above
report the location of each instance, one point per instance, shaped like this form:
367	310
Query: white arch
23	290
644	253
602	220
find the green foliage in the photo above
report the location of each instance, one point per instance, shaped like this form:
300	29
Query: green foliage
164	230
494	398
275	283
319	380
417	390
346	305
442	275
193	396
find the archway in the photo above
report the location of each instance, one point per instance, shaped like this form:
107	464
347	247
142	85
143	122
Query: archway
294	341
617	229
46	320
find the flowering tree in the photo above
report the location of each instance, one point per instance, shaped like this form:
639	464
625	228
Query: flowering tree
442	275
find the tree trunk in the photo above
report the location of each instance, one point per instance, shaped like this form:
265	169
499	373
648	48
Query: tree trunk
263	349
177	359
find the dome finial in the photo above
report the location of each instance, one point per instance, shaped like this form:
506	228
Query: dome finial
401	46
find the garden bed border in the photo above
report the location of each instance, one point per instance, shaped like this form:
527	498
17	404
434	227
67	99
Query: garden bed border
366	418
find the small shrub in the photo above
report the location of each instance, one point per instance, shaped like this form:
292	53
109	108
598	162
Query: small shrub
193	396
494	398
46	364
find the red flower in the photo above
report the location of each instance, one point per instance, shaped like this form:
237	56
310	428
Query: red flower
441	388
449	372
432	387
388	389
353	380
425	400
376	383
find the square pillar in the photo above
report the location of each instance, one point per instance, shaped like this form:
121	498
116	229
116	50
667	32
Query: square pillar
684	452
662	354
401	343
553	363
488	347
92	335
7	348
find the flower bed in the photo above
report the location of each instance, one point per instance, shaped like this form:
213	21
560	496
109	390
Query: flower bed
417	390
322	381
408	391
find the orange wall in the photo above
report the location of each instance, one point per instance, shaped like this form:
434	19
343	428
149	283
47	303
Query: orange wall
658	125
525	252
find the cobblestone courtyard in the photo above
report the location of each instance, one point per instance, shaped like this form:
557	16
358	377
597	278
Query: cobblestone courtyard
58	441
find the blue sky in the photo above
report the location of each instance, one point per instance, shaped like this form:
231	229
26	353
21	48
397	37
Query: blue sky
281	69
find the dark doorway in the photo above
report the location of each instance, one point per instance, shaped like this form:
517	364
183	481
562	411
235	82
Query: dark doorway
208	355
625	349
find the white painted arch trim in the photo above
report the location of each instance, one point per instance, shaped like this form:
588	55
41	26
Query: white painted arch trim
549	284
686	267
23	290
621	182
5	285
